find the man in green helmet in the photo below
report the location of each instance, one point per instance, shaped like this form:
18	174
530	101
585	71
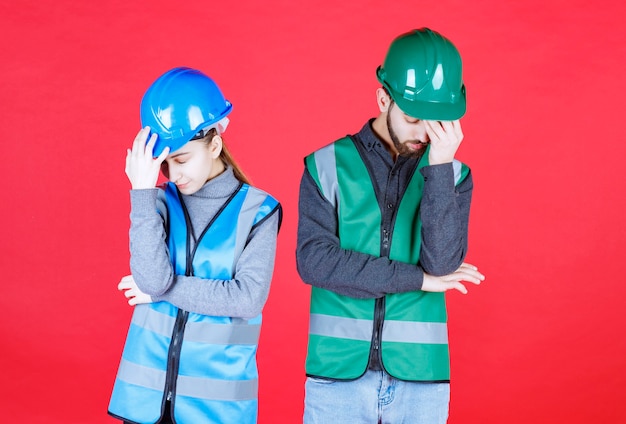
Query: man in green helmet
382	234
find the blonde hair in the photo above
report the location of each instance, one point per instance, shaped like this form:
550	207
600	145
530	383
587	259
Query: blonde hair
227	158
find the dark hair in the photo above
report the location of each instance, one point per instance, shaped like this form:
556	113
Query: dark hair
388	94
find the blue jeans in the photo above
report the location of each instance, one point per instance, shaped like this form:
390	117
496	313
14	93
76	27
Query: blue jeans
375	398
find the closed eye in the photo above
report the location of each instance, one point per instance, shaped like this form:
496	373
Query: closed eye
410	119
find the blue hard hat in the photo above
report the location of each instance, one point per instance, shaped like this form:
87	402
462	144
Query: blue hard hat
179	104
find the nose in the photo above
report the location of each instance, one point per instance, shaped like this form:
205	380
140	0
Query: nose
419	131
174	174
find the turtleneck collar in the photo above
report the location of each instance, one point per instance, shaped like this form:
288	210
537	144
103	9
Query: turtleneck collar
218	187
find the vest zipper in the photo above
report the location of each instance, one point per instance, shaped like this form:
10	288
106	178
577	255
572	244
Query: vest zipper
379	306
379	318
173	355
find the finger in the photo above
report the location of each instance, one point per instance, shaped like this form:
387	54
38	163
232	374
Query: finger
140	134
459	287
475	273
474	280
140	139
139	144
126	282
447	126
468	265
450	133
456	126
473	277
127	167
471	270
150	145
163	155
136	150
431	133
434	130
125	285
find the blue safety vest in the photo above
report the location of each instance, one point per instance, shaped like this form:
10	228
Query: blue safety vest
205	365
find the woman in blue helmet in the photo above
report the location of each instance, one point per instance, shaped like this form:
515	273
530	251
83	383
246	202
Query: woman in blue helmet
202	255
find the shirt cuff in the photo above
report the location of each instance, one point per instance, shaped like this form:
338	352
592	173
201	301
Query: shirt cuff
144	200
438	178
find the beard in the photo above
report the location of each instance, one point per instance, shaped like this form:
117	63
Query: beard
401	147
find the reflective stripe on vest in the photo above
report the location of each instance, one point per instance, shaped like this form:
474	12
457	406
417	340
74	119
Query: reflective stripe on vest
216	378
414	335
395	331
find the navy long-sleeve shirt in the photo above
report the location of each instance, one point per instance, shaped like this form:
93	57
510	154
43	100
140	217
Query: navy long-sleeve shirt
444	213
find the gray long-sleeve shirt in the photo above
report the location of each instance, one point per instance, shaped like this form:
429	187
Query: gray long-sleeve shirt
243	296
444	212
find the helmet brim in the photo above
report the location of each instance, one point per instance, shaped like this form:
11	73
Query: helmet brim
175	143
432	111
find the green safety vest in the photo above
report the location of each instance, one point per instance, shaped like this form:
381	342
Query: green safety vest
414	337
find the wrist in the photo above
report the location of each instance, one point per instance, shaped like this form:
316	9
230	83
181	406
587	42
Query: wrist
438	160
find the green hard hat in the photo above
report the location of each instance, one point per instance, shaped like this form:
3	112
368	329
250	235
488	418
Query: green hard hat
423	73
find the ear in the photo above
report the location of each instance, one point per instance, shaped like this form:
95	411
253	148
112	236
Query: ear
383	100
215	146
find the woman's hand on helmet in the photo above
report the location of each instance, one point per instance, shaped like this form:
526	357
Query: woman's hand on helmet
445	139
142	168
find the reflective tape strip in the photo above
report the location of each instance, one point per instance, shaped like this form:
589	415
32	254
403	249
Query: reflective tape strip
146	317
201	332
197	387
457	166
247	214
140	375
339	327
327	173
268	205
415	332
222	334
212	389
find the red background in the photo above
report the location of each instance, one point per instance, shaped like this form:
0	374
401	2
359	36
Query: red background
540	341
